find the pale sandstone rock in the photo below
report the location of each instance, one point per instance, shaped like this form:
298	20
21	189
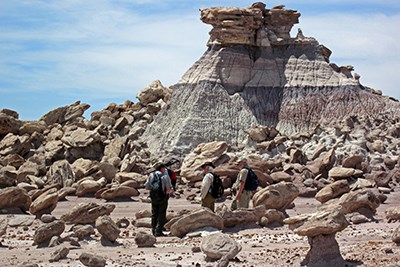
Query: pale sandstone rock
14	197
342	173
194	220
45	203
143	222
392	214
85	213
65	114
83	231
59	254
138	178
29	127
143	239
47	231
8	176
143	214
14	144
152	93
202	153
332	190
218	245
281	177
61	173
119	192
276	196
354	201
88	187
92	260
272	216
107	228
240	216
319	223
8	123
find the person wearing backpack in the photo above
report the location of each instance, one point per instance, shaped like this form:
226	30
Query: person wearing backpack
207	200
159	185
245	186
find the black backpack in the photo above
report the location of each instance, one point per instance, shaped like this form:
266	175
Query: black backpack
156	189
216	189
251	183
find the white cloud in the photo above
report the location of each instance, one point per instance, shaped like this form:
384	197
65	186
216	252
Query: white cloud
370	45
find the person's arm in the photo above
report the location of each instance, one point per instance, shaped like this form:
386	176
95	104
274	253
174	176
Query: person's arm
148	181
205	185
167	184
242	175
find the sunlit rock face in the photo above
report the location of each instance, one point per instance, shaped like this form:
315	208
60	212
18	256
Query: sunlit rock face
255	73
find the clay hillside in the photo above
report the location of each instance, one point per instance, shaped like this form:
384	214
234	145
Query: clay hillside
325	148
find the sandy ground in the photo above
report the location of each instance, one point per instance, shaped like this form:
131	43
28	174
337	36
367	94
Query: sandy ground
367	244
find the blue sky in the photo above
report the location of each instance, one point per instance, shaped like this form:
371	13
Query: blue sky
53	53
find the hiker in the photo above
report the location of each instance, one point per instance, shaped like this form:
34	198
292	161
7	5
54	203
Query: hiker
159	185
245	186
207	200
171	173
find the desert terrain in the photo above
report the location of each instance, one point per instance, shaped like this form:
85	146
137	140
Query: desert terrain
367	244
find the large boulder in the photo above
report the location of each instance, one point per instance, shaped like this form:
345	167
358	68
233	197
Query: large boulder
143	239
61	173
206	152
45	203
119	191
332	190
240	216
393	214
152	93
85	213
196	219
219	245
47	231
15	197
8	123
318	223
65	114
320	228
107	228
276	196
92	260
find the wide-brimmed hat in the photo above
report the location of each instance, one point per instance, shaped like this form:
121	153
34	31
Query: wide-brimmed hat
158	165
208	163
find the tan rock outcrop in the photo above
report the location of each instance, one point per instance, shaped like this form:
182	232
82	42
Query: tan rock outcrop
85	213
107	228
196	219
15	197
219	245
202	153
47	231
276	196
332	190
45	203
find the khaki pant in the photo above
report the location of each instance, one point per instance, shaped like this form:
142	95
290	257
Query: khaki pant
209	202
244	200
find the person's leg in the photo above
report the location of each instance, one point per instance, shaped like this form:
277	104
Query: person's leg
155	206
208	202
162	214
244	200
234	204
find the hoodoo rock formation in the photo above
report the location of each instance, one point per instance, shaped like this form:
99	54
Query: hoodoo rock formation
254	73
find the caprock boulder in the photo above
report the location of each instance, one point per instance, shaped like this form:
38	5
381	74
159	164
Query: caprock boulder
254	73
